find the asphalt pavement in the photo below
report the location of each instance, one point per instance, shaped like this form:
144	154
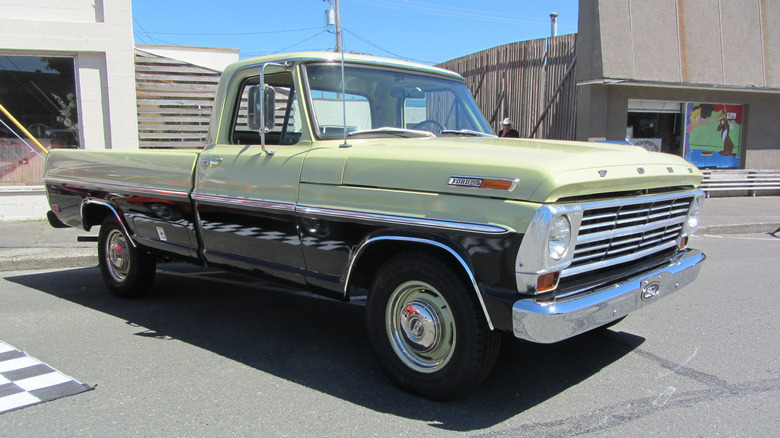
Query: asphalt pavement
28	245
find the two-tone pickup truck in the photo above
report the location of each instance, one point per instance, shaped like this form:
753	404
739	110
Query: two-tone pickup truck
357	176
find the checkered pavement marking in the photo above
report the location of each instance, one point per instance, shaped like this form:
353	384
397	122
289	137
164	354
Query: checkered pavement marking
25	381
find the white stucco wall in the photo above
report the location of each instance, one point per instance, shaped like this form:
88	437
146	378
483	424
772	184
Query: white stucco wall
98	34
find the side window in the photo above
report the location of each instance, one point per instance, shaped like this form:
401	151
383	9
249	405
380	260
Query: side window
288	124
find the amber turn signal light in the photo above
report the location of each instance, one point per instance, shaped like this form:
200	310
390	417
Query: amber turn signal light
547	282
496	184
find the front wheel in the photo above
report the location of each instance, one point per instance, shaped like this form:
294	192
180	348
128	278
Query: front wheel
427	328
127	270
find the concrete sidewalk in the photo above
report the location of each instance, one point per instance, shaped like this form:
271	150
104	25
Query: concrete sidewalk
36	245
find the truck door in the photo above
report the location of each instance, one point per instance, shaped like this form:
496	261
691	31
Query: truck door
245	196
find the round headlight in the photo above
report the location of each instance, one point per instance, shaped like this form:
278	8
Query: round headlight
560	238
693	217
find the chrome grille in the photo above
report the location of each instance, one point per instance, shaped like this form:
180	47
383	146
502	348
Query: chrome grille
619	233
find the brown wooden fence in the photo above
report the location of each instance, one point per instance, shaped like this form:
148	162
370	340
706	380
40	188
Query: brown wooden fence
531	82
174	101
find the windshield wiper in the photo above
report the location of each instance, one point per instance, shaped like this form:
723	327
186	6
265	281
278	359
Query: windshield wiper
391	131
466	132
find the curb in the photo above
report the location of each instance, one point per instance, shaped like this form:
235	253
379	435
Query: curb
769	228
36	262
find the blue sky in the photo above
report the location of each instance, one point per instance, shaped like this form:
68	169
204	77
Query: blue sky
428	31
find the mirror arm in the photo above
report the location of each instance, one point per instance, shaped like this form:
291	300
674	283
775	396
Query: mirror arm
263	128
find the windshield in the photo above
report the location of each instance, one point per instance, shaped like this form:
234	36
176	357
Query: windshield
383	102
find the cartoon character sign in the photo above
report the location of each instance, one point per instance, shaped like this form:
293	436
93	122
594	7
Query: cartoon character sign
713	134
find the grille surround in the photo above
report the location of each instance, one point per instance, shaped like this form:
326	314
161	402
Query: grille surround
613	233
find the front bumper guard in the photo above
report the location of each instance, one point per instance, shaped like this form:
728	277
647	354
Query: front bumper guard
555	321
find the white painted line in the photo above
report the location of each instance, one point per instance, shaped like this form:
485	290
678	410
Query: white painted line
3	380
17	401
17	364
42	381
5	347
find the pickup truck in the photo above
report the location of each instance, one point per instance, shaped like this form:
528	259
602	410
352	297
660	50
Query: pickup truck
354	176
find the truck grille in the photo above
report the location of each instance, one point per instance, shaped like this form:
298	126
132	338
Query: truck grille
620	233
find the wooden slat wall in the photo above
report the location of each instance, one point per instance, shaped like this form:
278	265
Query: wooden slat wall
174	101
517	80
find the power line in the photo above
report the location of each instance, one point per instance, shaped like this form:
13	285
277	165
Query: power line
383	49
300	42
230	33
472	14
142	30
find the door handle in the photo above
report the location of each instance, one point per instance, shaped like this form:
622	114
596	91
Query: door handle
208	162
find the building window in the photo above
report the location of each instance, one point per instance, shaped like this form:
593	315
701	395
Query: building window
40	93
655	125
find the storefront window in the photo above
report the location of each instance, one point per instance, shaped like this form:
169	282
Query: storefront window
713	134
40	93
655	126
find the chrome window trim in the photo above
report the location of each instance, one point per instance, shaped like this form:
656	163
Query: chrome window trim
111	187
452	252
353	63
404	220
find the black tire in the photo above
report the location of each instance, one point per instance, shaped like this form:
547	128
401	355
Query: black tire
427	328
127	270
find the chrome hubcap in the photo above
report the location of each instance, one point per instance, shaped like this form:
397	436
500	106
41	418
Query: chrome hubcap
420	326
117	255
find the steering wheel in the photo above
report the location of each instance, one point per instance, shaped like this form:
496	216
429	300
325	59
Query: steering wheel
435	124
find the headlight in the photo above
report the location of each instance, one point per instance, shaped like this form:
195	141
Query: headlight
693	217
559	238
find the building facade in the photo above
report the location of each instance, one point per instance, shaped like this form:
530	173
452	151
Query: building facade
696	78
66	76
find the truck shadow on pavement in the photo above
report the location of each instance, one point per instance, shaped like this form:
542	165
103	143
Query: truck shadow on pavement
322	344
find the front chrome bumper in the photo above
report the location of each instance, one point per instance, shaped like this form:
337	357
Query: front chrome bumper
555	321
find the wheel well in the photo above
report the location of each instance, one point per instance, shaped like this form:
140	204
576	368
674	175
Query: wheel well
376	254
94	213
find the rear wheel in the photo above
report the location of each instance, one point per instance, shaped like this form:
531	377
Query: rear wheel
427	329
128	271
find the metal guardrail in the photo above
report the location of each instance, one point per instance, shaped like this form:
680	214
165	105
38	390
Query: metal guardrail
750	180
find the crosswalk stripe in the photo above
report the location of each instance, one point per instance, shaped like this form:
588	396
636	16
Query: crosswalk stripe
42	381
26	381
17	401
17	364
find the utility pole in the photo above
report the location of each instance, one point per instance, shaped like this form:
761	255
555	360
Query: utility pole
339	46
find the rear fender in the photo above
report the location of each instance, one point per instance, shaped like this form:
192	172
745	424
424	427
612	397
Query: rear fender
94	211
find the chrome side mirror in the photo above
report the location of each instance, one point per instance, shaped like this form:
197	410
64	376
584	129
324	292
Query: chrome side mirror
261	111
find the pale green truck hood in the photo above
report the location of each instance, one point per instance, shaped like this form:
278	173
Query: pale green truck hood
546	170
